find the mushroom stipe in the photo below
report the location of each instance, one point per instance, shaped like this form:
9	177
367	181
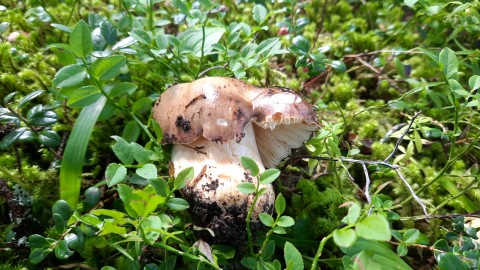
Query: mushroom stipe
227	118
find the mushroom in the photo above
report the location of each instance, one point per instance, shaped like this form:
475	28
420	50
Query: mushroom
214	121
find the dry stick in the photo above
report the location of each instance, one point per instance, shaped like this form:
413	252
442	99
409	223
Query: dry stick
367	183
451	216
466	259
383	163
403	135
414	195
391	131
379	73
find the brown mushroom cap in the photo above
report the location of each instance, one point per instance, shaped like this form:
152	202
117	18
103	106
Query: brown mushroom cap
284	120
216	108
219	108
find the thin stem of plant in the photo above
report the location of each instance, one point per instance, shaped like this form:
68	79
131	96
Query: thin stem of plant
320	250
249	218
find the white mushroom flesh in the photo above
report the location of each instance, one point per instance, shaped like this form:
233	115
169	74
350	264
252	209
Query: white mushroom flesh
218	171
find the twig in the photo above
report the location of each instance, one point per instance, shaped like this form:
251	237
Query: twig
373	162
211	68
466	259
401	137
367	183
391	131
473	215
379	73
414	195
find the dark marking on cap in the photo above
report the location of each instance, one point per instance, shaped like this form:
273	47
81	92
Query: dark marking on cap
195	99
183	124
238	113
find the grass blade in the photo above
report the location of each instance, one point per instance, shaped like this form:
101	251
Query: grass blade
74	155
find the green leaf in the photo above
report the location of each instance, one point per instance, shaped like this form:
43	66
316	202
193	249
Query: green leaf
474	82
131	132
151	227
141	36
177	204
259	13
301	45
402	249
378	253
61	250
42	118
9	97
374	227
108	268
127	195
81	40
49	138
66	57
410	3
123	88
249	164
59	223
109	67
418	141
143	155
109	32
74	155
246	187
451	261
84	96
62	208
92	197
115	174
111	226
11	138
448	60
268	46
69	76
411	236
192	40
161	187
73	240
182	178
123	150
338	66
442	244
62	27
353	214
280	204
38	254
147	171
269	176
285	221
26	99
266	219
116	215
293	256
37	241
344	238
123	251
279	230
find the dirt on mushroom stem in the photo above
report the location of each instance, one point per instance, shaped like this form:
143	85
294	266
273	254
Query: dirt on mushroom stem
215	201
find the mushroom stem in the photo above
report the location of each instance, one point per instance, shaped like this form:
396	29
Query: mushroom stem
218	171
